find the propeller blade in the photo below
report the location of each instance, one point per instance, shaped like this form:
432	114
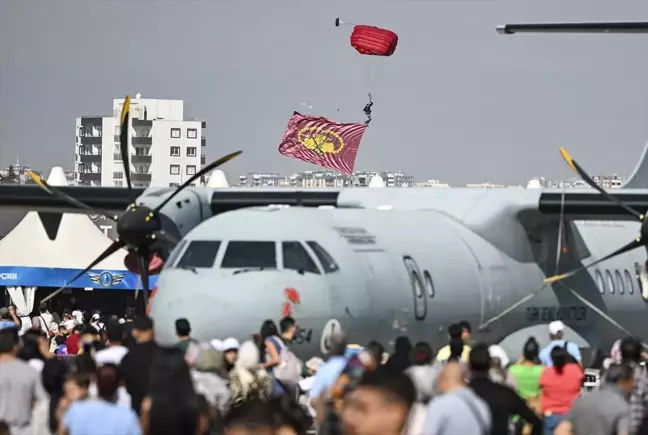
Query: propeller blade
144	264
123	145
586	178
65	197
636	243
114	247
137	286
210	167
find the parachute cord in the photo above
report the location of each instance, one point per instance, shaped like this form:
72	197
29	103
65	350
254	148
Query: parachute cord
367	110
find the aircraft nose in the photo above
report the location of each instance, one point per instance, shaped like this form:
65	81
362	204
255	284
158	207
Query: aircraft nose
216	307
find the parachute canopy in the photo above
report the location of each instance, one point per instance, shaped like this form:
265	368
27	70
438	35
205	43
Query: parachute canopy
371	40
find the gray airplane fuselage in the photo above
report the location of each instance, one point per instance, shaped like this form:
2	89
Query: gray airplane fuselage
407	262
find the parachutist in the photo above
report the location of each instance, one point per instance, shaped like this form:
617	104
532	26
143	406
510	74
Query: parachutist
367	110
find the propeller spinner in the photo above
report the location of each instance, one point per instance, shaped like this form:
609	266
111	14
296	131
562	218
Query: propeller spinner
139	229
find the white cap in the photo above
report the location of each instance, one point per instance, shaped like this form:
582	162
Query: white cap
556	326
95	317
216	344
230	344
496	351
121	321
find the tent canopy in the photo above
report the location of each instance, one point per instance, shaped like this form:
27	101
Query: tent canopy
29	258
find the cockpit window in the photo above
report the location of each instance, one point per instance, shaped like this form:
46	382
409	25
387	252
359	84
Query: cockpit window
175	253
199	253
250	254
295	257
328	263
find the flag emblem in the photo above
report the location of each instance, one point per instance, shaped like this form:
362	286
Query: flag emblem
321	139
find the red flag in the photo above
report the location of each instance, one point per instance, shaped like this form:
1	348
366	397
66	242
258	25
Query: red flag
322	142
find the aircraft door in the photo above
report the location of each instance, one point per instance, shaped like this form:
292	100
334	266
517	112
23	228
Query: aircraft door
418	289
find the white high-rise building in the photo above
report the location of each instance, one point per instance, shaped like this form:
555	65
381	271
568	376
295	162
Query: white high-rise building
165	150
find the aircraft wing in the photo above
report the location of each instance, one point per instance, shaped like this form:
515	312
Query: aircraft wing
587	204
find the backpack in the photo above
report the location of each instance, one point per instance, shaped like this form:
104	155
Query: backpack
570	358
289	369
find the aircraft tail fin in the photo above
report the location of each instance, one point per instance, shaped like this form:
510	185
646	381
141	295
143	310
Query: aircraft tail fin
639	177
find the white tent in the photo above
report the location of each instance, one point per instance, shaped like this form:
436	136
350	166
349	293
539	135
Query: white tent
217	179
26	250
77	242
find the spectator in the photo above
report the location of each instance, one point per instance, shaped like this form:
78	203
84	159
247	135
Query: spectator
114	353
455	331
102	416
129	318
20	385
379	405
561	384
556	334
327	375
424	372
7	319
208	375
503	402
604	411
248	380
230	351
457	410
630	350
399	361
526	373
183	331
43	322
136	365
466	332
73	341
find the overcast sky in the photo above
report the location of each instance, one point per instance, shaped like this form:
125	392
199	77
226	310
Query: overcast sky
456	102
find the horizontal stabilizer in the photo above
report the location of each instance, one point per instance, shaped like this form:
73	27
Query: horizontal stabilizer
610	27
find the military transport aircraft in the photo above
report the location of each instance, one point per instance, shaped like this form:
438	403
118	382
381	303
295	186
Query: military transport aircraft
381	262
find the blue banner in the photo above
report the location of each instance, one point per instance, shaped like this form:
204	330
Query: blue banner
11	276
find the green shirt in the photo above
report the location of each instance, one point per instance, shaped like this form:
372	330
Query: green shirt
184	344
527	378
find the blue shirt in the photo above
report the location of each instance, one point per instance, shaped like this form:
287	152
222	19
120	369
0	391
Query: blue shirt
572	348
98	417
327	375
5	324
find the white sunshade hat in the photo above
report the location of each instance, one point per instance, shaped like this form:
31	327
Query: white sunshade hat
230	344
216	344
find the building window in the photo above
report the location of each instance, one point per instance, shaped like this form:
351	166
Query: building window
191	151
174	169
117	130
191	169
192	133
118	183
175	133
117	157
118	175
175	151
174	184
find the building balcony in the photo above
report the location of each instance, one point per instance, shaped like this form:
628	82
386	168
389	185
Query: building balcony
142	122
90	176
90	140
203	124
89	158
203	141
95	121
141	159
139	140
141	177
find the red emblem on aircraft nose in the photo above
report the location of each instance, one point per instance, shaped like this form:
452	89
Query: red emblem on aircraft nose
292	295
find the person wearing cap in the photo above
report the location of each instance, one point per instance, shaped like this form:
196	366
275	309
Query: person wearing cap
6	320
556	334
230	352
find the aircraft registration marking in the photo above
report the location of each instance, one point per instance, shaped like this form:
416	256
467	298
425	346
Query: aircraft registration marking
303	335
549	314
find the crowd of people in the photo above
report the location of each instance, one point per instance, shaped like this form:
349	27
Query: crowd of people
88	374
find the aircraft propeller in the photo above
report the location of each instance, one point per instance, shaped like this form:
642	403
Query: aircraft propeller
139	227
636	243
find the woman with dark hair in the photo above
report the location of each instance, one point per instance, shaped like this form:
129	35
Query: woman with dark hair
172	405
399	361
527	372
269	349
561	384
101	415
34	349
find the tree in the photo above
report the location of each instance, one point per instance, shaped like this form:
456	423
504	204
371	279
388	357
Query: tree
11	176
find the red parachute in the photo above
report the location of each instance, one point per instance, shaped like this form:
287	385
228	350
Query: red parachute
372	40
